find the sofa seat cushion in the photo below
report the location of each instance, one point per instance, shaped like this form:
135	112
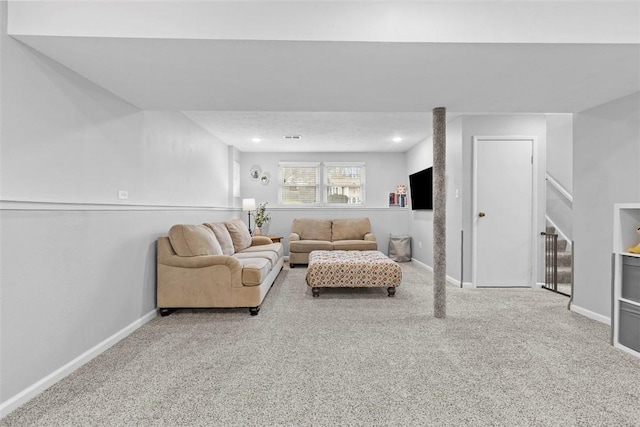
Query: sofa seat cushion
355	245
239	234
193	240
306	246
312	229
222	235
272	247
254	270
270	256
350	229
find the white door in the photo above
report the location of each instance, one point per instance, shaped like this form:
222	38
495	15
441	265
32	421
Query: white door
503	212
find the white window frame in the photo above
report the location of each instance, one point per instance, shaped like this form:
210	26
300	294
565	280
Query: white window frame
325	182
318	185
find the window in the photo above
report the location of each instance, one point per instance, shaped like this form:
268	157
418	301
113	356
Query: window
344	183
299	183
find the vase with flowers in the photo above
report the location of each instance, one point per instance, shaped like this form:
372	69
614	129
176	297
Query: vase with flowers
262	219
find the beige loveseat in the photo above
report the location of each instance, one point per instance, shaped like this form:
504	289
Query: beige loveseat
215	265
310	234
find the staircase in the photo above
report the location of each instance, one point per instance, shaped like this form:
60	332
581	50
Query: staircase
564	264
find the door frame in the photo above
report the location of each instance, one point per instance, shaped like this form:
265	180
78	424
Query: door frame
534	202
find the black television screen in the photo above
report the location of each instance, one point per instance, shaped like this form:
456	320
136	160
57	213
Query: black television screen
421	185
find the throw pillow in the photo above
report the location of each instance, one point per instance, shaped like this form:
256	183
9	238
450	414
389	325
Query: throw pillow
223	237
239	234
350	229
193	240
312	229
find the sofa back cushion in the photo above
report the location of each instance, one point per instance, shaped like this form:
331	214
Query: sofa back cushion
350	229
222	235
239	234
193	240
312	229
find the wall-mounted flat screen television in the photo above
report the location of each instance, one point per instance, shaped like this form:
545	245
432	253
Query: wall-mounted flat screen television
421	185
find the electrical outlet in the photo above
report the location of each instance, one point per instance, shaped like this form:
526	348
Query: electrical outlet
123	195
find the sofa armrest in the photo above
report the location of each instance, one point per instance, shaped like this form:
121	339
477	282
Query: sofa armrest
260	240
370	236
201	261
293	237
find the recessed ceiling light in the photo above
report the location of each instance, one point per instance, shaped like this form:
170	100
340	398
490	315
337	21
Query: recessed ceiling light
255	140
397	139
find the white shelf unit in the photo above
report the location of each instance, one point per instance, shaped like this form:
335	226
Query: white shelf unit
626	220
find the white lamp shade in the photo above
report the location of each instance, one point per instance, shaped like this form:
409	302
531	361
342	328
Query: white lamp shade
248	204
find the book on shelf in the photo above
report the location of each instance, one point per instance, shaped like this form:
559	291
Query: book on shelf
396	199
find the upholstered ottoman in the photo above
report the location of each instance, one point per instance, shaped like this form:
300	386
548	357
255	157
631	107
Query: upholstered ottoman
352	269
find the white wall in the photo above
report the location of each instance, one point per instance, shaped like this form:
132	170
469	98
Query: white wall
606	154
560	169
78	264
454	200
383	171
421	222
69	140
560	149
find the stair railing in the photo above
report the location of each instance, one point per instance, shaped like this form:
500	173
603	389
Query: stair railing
551	261
563	191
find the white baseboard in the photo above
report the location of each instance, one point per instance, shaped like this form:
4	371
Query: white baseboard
590	314
424	266
38	387
453	281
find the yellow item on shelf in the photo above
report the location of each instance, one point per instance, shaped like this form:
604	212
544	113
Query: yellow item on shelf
636	248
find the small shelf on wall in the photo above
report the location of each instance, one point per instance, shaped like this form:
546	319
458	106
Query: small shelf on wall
398	200
625	316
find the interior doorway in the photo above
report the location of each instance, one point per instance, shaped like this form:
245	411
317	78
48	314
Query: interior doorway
503	212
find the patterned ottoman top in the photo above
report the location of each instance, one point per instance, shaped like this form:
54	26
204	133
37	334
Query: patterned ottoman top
353	269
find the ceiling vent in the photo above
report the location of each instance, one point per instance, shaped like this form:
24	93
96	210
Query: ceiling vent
293	137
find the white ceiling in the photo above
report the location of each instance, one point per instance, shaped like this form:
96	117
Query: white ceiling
319	131
344	96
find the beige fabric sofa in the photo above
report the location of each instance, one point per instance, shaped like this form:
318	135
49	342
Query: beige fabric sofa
310	234
215	265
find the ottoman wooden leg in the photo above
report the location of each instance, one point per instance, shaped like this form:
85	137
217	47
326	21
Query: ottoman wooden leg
316	292
391	290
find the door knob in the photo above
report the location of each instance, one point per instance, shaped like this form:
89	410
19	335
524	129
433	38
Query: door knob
481	214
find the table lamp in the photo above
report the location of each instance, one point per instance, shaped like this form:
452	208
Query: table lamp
248	205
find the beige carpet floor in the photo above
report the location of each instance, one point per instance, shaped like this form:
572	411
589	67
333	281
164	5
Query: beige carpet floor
502	357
